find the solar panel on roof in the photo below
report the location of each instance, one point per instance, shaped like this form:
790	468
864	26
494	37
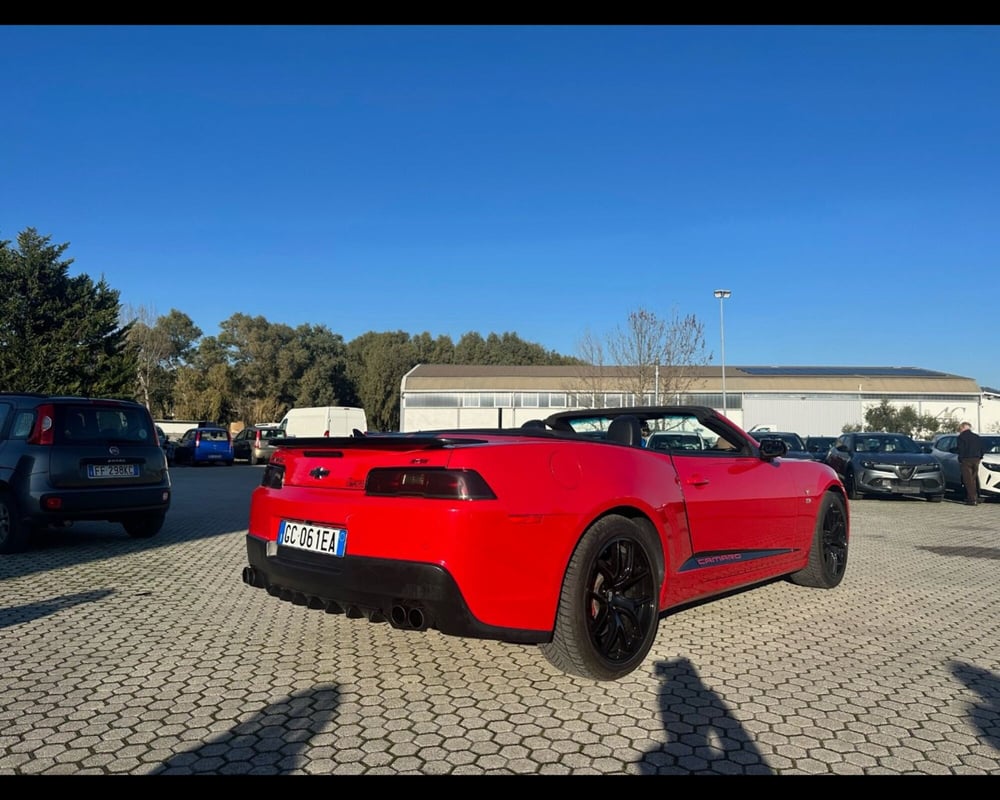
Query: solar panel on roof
881	372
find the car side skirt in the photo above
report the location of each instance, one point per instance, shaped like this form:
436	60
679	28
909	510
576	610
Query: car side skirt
728	558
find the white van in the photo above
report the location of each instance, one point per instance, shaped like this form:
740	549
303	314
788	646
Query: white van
324	421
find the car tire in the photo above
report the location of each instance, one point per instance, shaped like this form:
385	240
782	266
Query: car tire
144	526
608	610
828	551
851	486
14	534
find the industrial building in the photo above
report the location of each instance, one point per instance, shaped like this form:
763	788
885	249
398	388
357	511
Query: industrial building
812	401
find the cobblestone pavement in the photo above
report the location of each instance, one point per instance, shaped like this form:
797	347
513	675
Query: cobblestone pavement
151	657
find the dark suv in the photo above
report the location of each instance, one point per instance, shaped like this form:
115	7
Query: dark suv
64	459
876	463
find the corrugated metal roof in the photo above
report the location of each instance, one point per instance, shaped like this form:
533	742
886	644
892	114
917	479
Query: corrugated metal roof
870	380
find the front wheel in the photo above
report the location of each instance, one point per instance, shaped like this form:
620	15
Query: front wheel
608	610
828	552
851	486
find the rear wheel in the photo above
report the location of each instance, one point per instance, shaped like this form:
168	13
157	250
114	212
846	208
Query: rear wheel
14	534
828	552
144	526
608	610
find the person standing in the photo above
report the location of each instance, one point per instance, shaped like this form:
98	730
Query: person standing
970	453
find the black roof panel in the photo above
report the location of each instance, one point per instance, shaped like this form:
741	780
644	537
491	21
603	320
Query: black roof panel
884	372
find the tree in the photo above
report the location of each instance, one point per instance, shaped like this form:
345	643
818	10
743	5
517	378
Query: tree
432	351
265	377
662	355
152	347
59	334
377	363
321	362
906	420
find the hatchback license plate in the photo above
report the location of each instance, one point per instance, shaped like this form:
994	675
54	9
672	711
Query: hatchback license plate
314	538
113	471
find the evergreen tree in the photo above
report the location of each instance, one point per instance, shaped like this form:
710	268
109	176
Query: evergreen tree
59	334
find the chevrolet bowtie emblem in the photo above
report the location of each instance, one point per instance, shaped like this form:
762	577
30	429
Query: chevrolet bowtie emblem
319	472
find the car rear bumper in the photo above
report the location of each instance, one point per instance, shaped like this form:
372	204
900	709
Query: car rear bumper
51	507
406	594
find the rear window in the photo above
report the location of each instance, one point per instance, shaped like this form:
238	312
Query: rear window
271	433
213	435
93	423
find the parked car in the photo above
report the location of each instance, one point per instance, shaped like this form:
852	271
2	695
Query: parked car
819	446
255	443
945	450
167	444
204	445
547	536
69	459
795	444
885	464
989	469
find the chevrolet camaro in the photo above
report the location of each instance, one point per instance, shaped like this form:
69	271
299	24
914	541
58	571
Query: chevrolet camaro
566	533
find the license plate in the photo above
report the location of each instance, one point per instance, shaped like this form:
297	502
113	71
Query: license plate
903	489
314	538
113	470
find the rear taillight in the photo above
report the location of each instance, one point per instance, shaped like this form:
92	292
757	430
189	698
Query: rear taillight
44	426
274	475
438	484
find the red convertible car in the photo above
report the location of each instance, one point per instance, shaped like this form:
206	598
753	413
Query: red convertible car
567	532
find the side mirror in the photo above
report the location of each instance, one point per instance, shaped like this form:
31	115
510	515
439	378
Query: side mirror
772	448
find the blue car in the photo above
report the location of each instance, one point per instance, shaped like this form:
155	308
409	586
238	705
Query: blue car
204	445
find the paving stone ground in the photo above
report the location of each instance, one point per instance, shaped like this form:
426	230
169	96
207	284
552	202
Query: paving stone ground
151	658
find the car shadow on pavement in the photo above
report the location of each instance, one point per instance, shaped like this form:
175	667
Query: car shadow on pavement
702	736
985	715
269	743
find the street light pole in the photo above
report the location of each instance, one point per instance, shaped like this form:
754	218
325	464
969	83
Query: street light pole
722	294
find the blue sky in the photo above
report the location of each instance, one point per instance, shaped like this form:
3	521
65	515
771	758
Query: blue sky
843	182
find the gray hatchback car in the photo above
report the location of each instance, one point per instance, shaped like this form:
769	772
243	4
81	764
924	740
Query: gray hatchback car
68	459
255	444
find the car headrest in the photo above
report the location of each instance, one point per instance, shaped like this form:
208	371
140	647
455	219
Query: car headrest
625	430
